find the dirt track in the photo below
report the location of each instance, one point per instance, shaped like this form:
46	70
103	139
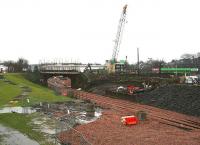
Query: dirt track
162	127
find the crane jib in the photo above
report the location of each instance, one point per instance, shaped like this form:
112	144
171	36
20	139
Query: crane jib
119	34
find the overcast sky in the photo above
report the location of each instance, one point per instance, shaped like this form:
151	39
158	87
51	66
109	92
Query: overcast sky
84	30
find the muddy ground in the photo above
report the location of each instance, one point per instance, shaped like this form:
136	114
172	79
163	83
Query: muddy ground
72	112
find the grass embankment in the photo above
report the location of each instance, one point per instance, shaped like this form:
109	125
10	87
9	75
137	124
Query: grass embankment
37	92
22	123
8	92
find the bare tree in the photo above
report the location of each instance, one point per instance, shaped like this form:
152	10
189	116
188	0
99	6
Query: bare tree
19	66
22	64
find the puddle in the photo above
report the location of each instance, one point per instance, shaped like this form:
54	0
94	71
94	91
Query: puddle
12	137
9	82
83	118
24	95
24	110
44	124
25	88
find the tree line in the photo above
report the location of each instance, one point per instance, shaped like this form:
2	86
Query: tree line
21	65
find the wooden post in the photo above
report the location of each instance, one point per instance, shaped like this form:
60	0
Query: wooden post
138	61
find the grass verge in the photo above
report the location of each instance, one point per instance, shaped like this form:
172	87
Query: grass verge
8	92
37	94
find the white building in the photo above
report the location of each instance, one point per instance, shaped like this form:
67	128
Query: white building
3	69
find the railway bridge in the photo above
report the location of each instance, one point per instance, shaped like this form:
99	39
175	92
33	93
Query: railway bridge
67	68
74	71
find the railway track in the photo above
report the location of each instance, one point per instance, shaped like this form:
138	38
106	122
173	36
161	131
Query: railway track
164	117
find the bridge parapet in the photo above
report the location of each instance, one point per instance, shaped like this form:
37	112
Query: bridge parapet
66	68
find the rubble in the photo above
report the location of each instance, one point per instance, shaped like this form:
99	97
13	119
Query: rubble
60	84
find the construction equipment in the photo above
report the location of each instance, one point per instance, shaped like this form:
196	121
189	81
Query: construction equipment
133	89
118	39
113	64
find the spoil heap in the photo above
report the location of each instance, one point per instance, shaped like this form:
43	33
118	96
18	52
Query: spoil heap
181	98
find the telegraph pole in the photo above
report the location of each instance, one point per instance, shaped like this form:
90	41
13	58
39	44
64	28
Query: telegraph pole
138	61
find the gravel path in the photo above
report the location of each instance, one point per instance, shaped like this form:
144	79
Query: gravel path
10	136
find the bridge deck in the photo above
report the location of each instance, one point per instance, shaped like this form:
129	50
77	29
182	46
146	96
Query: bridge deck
61	72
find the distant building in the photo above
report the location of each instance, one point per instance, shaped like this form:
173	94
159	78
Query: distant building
3	68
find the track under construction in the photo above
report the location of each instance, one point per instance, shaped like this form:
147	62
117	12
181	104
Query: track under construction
161	126
126	107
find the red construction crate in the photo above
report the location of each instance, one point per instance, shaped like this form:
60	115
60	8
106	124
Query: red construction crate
129	120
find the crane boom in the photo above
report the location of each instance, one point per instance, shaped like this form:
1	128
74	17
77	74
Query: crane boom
122	22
